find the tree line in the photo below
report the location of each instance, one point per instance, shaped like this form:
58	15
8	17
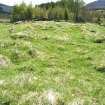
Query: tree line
68	10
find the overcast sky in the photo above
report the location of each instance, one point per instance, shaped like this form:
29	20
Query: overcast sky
12	2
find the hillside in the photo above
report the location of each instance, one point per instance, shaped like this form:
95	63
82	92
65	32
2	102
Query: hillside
52	63
99	4
5	9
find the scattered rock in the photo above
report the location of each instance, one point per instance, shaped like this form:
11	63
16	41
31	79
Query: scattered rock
53	98
4	61
24	79
6	103
100	64
41	98
18	55
18	22
2	82
30	97
22	35
99	40
32	52
45	38
27	68
93	31
77	101
100	68
11	30
6	43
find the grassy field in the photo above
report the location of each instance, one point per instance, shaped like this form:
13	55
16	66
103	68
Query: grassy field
52	63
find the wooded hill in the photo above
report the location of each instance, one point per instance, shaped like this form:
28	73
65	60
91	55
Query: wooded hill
5	11
96	5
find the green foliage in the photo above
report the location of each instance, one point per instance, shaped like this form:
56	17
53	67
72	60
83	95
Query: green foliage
74	7
29	12
21	12
61	10
66	17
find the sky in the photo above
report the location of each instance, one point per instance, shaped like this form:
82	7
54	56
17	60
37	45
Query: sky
12	2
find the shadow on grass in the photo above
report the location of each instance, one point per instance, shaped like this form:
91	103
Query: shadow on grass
100	69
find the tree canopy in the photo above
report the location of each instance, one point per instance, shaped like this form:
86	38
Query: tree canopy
61	10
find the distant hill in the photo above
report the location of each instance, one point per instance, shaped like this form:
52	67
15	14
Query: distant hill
96	5
5	9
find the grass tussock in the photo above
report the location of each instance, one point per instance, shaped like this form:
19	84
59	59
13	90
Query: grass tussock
52	63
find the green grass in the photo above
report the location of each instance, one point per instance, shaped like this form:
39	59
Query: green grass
65	60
